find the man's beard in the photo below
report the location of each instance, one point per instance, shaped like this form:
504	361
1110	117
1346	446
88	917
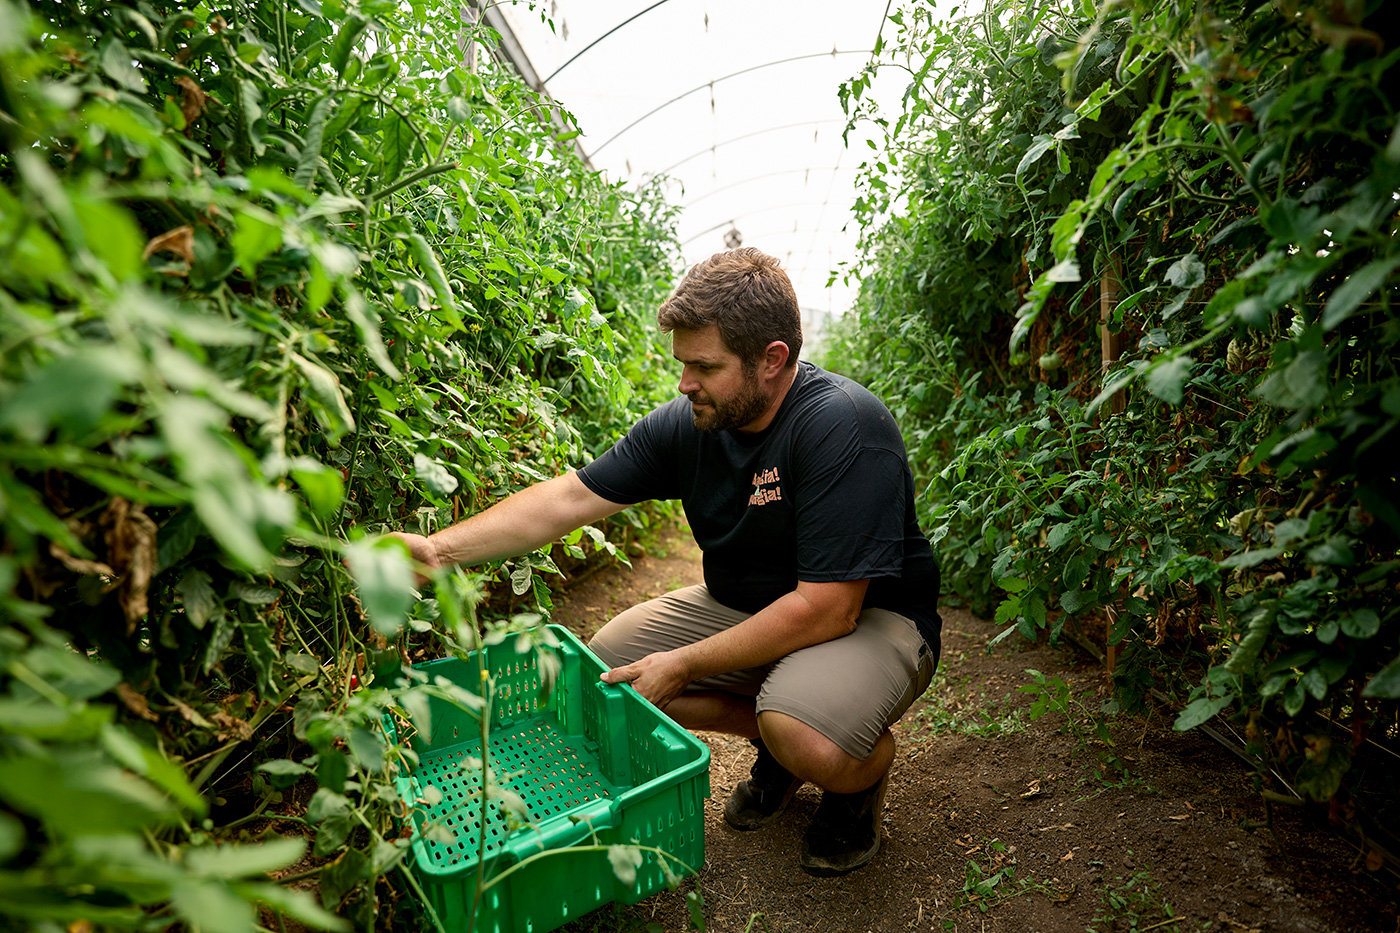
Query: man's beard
728	414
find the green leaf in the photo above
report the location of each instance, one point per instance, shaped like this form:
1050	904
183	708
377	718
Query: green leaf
219	640
427	260
254	594
299	905
69	394
1386	684
520	578
368	749
118	64
1358	287
625	861
1038	148
385	576
1302	384
458	110
240	861
322	485
1363	623
151	764
97	797
342	876
1336	550
257	234
1008	610
332	768
1060	534
11	836
1166	377
345	41
258	646
113	236
254	125
441	484
211	907
23	509
283	773
397	147
1250	558
305	172
75	675
330	407
1200	711
326	803
1187	272
367	326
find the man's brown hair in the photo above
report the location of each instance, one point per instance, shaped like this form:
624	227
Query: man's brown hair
747	295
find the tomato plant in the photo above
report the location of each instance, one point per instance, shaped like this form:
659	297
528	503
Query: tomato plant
1128	275
274	277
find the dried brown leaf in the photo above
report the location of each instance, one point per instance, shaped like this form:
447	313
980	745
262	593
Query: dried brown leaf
192	715
135	702
179	241
131	550
192	101
1375	860
78	565
231	727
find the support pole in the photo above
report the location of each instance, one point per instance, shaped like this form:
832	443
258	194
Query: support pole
1110	290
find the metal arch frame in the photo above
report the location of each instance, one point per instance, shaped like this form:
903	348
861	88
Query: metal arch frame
753	178
772	129
735	218
713	81
590	45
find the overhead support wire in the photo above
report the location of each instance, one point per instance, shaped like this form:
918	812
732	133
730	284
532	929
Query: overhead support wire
713	146
710	84
754	178
754	213
601	38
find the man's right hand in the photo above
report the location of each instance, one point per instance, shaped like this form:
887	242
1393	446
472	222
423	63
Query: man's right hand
516	525
423	551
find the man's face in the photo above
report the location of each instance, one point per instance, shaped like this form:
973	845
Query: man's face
723	393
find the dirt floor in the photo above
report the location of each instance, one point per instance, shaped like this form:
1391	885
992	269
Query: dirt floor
995	822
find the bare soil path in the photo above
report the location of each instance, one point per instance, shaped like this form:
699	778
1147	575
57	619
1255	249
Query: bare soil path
995	823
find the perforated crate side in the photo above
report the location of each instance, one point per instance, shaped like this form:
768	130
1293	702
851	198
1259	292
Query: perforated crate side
651	780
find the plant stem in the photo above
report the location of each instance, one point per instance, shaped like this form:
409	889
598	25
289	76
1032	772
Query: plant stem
417	176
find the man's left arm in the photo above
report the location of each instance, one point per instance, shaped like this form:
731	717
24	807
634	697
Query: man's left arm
809	615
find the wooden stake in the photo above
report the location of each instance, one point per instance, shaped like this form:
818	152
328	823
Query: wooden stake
1110	290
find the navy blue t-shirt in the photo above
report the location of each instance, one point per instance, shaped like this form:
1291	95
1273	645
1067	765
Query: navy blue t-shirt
823	494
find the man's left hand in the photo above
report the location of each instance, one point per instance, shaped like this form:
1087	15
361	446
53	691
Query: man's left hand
659	677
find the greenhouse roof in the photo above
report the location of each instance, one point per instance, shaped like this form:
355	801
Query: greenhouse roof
736	102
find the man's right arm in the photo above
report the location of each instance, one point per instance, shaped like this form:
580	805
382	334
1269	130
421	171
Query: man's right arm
521	522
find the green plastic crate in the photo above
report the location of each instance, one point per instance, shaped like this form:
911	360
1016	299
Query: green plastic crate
589	758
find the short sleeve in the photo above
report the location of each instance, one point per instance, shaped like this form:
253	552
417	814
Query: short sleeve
851	517
643	464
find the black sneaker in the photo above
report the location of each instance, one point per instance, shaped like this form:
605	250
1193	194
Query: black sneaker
764	795
845	832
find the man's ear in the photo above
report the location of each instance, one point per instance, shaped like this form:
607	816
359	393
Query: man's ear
775	358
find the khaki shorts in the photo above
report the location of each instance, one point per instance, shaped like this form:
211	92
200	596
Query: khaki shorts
850	689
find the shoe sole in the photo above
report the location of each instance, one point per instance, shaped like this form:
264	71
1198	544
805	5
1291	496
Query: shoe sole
823	869
763	821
